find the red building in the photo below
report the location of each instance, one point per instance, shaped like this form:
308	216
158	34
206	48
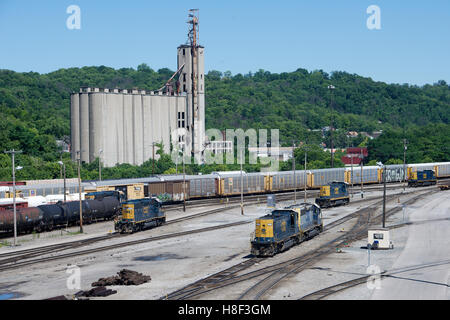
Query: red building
354	156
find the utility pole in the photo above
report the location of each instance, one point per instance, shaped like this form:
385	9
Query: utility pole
13	153
331	88
293	169
404	163
79	191
384	195
306	149
352	173
242	185
63	168
362	165
184	186
153	157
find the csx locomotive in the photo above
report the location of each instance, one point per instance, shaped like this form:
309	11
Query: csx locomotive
333	194
284	228
139	215
422	178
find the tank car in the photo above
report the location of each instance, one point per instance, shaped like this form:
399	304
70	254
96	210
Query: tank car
284	228
27	219
139	215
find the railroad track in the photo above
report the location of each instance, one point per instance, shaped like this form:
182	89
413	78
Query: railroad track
12	259
276	273
15	265
359	230
337	288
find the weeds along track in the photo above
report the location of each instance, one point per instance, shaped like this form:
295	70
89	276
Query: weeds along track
274	274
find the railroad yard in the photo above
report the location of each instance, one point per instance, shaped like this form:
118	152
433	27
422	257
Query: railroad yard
187	258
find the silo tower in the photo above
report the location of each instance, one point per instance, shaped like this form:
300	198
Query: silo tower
192	82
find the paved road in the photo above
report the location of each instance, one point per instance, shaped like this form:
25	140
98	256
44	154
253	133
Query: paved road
427	243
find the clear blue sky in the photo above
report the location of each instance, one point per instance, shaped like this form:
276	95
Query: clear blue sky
240	36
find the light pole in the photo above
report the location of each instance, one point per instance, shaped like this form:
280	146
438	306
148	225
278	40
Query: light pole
404	163
362	165
242	185
351	158
79	191
383	167
13	153
306	149
331	88
184	186
293	169
100	164
63	168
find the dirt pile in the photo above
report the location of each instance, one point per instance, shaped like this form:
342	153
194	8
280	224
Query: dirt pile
96	292
124	277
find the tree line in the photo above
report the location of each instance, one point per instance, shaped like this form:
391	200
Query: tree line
34	111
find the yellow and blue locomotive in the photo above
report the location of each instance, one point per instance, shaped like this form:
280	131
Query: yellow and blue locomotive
422	178
139	215
284	228
333	194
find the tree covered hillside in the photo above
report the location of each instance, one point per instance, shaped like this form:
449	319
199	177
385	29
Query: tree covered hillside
35	108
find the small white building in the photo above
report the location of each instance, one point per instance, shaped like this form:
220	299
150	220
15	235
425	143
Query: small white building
379	238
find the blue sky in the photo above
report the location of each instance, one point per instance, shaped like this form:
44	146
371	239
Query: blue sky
240	36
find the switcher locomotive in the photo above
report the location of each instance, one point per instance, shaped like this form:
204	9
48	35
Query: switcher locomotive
284	228
139	215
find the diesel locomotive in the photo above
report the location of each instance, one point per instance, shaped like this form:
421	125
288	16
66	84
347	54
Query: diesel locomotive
333	194
422	178
139	215
284	228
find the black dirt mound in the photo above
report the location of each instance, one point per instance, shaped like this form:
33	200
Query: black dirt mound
96	292
124	277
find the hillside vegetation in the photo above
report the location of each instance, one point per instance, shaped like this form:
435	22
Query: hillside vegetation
34	111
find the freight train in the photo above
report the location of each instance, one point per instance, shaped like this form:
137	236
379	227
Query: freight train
284	228
140	214
169	188
51	216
